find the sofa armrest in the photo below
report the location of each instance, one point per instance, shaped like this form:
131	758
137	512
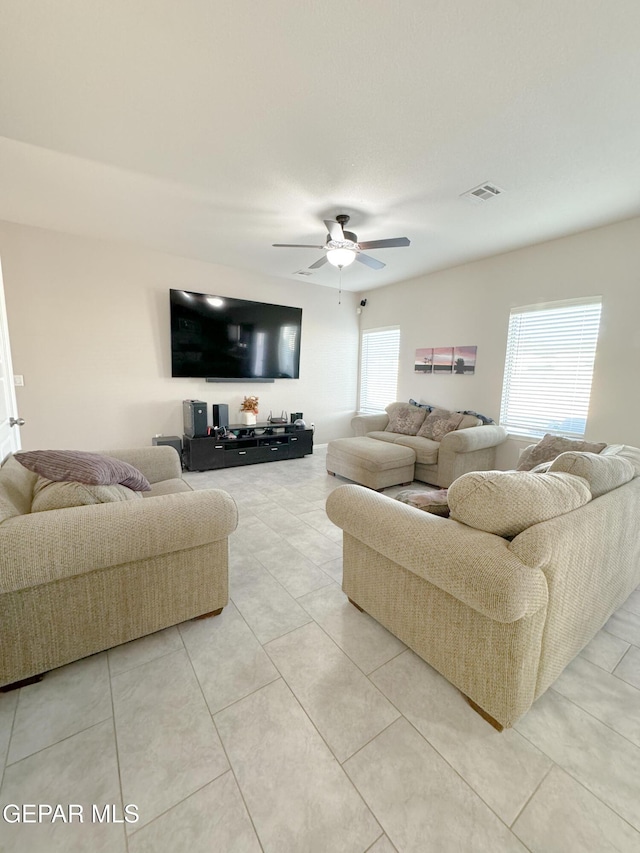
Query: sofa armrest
473	438
156	463
362	424
475	567
42	547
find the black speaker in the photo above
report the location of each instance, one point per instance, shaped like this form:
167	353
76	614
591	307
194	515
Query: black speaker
194	413
171	440
220	415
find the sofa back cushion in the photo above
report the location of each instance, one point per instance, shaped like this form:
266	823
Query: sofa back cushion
550	447
48	495
439	422
626	451
404	418
507	502
602	473
16	489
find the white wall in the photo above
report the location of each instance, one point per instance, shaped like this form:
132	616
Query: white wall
470	304
89	328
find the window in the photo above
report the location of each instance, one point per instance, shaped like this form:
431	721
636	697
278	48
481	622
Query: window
551	350
379	368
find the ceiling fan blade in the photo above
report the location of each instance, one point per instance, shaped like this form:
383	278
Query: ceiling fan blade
319	263
369	261
295	246
334	229
386	244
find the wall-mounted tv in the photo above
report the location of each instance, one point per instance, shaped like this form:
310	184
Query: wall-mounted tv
216	337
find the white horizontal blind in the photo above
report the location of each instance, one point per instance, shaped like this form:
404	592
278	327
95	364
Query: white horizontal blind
379	368
551	350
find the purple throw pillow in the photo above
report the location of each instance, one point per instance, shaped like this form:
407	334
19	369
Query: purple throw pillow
77	466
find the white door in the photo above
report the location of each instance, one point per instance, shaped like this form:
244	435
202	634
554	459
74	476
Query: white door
9	421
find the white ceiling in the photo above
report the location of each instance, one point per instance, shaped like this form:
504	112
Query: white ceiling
212	129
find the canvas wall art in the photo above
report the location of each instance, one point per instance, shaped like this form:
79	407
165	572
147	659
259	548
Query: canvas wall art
459	361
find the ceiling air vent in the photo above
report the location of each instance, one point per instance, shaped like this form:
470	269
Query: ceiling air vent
302	272
483	192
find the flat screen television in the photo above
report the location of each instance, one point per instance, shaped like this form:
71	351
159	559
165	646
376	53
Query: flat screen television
216	337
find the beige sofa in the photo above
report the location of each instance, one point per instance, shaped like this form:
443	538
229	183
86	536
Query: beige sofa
470	447
501	596
79	580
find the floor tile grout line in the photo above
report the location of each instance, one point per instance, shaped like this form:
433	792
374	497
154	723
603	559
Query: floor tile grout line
597	719
149	660
382	835
115	743
224	749
10	738
307	713
56	743
530	798
572	774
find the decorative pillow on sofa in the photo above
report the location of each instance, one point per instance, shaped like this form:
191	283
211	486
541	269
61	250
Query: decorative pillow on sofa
507	502
405	418
432	501
51	495
81	467
602	473
439	422
551	446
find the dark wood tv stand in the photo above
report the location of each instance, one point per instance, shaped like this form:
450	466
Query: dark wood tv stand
246	445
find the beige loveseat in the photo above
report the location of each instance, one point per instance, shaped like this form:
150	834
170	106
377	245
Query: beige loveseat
79	580
470	447
501	596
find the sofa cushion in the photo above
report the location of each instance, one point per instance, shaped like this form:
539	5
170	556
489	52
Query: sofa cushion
551	446
168	487
434	501
16	489
426	449
602	473
468	421
81	467
48	495
508	502
439	422
626	451
405	418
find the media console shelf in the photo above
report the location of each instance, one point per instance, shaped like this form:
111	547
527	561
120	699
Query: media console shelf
249	444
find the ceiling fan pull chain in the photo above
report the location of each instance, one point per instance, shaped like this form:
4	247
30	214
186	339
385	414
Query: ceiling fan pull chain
340	286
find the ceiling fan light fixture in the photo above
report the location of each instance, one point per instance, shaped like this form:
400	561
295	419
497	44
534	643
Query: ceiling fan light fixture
341	257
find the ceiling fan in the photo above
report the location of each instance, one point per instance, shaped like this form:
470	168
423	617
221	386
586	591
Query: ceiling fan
342	247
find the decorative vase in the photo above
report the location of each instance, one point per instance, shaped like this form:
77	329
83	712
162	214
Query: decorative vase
249	418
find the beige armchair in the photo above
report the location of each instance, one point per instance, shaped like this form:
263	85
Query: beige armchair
79	580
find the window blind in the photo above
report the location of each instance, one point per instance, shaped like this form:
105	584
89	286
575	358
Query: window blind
378	368
551	351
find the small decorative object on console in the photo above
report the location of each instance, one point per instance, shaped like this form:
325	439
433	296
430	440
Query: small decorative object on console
249	410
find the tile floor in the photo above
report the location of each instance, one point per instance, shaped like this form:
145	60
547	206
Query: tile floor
292	722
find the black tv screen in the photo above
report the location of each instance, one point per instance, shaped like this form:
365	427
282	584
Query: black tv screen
215	337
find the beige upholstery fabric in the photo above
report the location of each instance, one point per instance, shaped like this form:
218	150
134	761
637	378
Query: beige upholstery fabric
376	464
16	489
632	454
500	620
602	473
551	446
79	580
48	495
439	422
507	502
469	448
405	418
